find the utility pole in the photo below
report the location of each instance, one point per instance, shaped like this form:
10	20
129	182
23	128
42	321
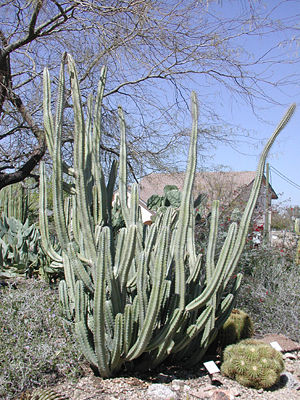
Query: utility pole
267	207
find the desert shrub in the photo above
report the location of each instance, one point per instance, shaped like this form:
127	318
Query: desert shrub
36	348
270	290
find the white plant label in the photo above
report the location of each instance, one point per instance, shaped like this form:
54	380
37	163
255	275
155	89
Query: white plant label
276	346
211	367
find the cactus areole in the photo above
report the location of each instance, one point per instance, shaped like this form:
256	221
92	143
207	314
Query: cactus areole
141	296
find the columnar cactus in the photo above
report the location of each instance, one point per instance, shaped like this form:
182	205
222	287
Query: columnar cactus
139	297
14	201
253	363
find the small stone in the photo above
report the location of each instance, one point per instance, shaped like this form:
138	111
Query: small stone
222	395
157	391
289	356
260	391
289	380
164	377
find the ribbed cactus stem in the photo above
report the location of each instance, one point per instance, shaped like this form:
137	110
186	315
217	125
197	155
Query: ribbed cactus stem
184	212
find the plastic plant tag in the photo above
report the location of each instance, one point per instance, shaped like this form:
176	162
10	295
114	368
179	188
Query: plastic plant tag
211	367
276	346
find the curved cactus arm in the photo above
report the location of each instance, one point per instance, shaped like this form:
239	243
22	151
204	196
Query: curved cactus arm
213	285
69	278
168	330
84	338
245	221
209	333
195	273
82	331
103	355
43	218
184	212
123	169
193	330
155	298
79	268
118	344
64	300
87	225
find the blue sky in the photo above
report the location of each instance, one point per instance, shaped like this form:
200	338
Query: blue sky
285	154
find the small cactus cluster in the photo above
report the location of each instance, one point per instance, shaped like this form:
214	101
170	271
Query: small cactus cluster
253	363
238	326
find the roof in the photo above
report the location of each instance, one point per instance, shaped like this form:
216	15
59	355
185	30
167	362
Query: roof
217	185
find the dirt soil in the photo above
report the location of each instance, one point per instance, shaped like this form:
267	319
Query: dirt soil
178	384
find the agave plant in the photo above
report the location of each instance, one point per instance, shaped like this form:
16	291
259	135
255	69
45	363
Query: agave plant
145	295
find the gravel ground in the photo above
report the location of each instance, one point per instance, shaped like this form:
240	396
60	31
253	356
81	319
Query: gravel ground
175	384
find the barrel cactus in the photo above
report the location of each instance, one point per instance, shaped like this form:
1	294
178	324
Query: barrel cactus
144	295
253	363
238	326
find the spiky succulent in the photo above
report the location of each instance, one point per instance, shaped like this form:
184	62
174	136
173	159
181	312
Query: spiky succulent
238	326
142	296
253	363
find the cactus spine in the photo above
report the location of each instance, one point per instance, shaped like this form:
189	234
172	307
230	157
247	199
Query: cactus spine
138	297
253	363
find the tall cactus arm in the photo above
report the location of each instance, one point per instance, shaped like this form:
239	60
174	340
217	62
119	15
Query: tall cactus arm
79	158
245	221
184	213
43	218
81	329
55	133
48	120
154	300
123	169
97	168
212	240
110	187
103	355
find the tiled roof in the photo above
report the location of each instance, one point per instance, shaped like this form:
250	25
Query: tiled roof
226	185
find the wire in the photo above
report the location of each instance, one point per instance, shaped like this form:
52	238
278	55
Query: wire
285	178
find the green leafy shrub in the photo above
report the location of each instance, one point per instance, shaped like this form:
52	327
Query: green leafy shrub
37	348
252	363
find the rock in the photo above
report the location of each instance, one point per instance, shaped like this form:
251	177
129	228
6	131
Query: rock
289	356
222	395
289	380
157	391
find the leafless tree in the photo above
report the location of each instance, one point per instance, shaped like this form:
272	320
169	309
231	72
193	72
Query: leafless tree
156	52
